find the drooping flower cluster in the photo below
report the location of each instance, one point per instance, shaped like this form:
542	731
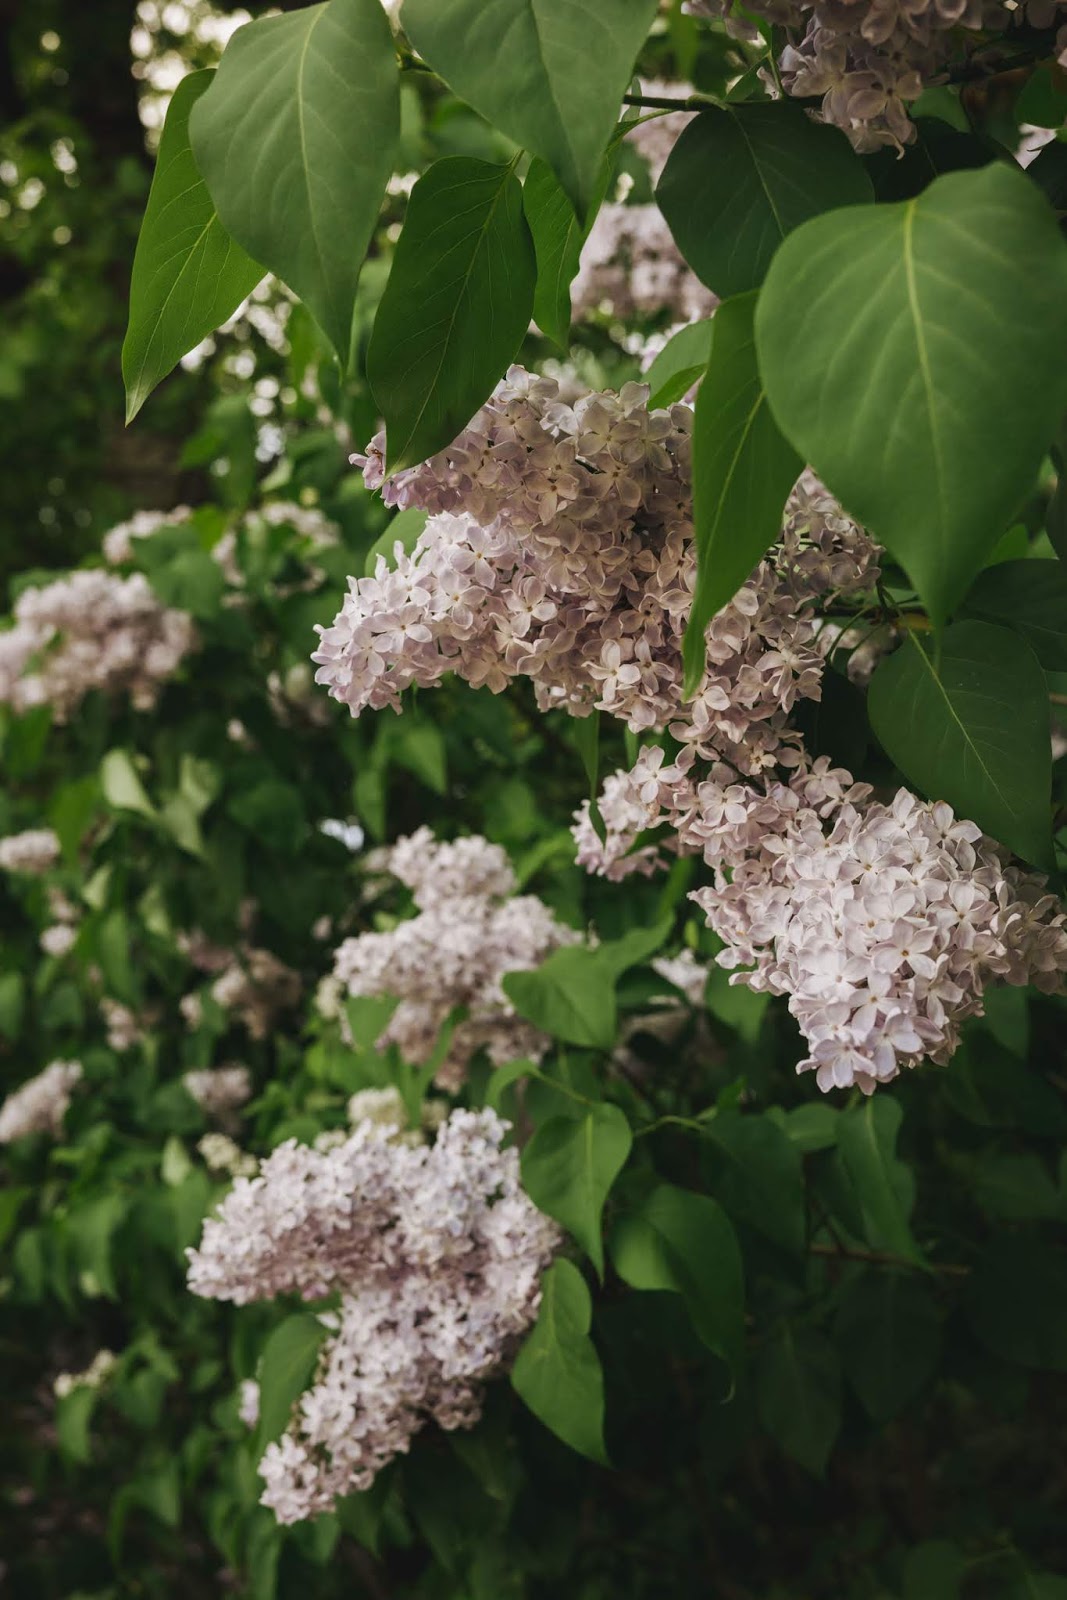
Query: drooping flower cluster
866	60
40	1104
437	1254
32	853
470	930
90	630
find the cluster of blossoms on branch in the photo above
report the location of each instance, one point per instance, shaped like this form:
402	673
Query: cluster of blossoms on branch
437	1255
41	1103
866	61
470	929
251	983
219	1091
559	548
90	630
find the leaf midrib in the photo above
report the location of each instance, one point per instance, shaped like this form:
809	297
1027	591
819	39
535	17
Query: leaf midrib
967	739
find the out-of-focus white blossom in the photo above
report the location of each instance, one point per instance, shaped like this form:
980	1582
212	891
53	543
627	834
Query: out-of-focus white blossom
470	930
219	1091
95	1375
222	1155
59	940
33	852
40	1105
437	1254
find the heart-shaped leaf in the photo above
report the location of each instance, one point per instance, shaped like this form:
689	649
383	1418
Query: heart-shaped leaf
917	363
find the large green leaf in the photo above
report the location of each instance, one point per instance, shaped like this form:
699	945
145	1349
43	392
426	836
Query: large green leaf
970	724
1031	597
798	1393
296	138
889	1338
883	1186
571	996
742	177
286	1367
456	306
557	1371
682	1241
755	1171
680	363
550	74
743	470
569	1166
913	354
188	274
558	237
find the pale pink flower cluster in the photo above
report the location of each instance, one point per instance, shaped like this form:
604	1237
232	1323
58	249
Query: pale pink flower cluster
90	630
219	1091
883	924
124	1027
119	543
40	1105
33	852
631	267
470	930
437	1255
252	983
866	60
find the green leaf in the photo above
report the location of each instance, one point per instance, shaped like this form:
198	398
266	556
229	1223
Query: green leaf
1017	1302
798	1394
92	1230
123	789
1017	1187
680	363
569	1166
286	1367
188	274
549	74
970	725
192	581
684	1242
889	1337
296	138
11	1201
916	362
742	177
866	1140
1043	98
934	1570
12	1003
1031	598
72	1417
456	307
557	1371
743	470
406	527
571	996
756	1173
558	239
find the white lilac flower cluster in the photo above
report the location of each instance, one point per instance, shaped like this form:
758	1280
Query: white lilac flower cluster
630	265
224	1157
33	852
867	60
437	1255
40	1104
580	515
95	1375
471	929
90	630
219	1091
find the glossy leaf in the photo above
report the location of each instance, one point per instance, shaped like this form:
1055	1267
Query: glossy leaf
557	1372
755	1172
296	138
678	1240
680	363
571	996
188	274
1031	598
456	306
916	362
569	1166
286	1368
884	1190
798	1393
558	237
742	177
969	724
889	1338
743	470
549	74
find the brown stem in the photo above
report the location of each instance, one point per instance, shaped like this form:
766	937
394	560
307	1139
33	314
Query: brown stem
884	1258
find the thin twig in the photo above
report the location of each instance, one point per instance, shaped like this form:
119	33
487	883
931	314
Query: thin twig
884	1258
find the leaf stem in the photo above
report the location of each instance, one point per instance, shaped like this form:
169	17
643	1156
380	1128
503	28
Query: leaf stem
885	1258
